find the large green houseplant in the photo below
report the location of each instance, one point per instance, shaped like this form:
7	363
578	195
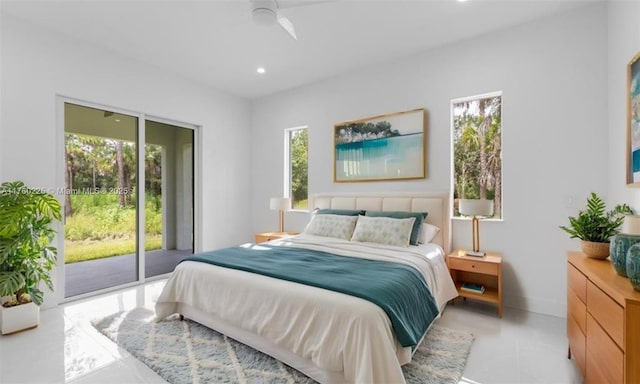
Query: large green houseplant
26	259
595	226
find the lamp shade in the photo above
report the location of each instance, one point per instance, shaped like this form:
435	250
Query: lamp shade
280	203
631	225
475	207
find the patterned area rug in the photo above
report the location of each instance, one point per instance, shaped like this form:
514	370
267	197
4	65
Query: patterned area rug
187	352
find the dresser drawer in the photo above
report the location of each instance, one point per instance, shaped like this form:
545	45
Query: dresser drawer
606	312
577	344
577	310
596	376
473	266
577	282
605	361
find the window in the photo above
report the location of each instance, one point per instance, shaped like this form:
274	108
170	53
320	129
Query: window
296	166
477	150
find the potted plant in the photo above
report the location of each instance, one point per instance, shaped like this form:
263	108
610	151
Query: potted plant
26	259
595	226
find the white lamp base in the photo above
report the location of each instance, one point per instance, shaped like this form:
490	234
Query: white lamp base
475	254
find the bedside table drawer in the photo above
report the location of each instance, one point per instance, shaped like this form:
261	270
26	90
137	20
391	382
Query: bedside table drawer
473	266
264	239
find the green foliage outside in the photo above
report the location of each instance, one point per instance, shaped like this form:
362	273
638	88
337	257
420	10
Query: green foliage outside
100	206
99	217
302	204
300	168
92	161
101	228
76	251
477	151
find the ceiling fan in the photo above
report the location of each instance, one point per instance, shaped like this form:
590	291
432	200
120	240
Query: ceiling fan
266	12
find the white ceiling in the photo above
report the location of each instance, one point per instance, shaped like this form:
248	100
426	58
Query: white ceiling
216	42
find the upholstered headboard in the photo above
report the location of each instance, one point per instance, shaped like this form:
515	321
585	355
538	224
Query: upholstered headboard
436	204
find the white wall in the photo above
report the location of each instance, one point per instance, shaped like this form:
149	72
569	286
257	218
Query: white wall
623	44
36	65
553	75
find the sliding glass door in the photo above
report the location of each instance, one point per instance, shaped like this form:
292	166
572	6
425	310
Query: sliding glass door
128	210
101	212
169	196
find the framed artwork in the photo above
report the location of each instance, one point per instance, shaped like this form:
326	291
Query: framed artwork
633	121
380	148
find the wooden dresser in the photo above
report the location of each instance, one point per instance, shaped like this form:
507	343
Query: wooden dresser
603	321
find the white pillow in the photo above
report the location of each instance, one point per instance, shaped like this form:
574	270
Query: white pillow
383	230
427	233
338	226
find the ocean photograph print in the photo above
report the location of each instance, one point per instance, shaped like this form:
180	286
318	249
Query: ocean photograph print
381	148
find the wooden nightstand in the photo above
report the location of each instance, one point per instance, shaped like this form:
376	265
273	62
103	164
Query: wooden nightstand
485	270
268	236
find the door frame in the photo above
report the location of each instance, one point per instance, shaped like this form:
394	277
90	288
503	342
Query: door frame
59	278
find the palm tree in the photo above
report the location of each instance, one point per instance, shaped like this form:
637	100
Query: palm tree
477	150
120	170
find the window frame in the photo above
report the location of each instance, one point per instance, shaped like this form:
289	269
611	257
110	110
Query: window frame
453	170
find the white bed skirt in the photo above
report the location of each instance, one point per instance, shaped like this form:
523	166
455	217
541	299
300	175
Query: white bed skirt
262	344
266	346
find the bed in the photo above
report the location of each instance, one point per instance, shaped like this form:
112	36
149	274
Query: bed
330	336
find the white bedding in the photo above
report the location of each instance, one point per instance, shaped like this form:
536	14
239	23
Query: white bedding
337	332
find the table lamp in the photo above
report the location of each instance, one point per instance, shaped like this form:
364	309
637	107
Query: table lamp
475	208
631	225
280	204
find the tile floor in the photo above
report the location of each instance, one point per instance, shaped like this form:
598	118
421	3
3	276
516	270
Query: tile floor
521	347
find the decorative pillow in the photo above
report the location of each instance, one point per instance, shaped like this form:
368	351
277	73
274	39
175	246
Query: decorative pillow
427	233
415	231
338	226
383	230
345	212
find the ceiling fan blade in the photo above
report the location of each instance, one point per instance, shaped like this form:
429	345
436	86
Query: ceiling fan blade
287	26
284	4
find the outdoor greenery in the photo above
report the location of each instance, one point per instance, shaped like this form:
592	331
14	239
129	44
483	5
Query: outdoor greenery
89	250
100	227
595	223
26	259
300	168
477	150
100	203
100	217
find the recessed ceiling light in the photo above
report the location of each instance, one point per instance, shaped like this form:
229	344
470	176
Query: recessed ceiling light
117	120
261	70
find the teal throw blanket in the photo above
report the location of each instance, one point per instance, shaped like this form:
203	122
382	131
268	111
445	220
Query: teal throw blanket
400	290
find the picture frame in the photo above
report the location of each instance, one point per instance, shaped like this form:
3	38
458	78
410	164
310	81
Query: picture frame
633	121
381	148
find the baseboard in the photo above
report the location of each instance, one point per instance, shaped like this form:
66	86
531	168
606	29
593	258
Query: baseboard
536	305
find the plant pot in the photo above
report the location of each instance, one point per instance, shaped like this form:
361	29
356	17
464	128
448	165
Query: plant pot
595	250
19	318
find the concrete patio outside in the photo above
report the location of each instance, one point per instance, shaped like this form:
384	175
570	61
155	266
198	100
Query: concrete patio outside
92	275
